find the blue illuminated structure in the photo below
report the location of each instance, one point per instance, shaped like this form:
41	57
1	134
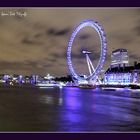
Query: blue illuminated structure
34	79
118	78
122	75
20	79
95	25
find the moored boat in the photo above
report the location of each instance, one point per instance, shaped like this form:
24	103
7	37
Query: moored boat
87	86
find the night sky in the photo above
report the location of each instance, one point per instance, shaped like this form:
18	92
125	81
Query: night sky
37	43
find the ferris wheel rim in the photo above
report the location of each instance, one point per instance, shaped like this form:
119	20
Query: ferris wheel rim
95	25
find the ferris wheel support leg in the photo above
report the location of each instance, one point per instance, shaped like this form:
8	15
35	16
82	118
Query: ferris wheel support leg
88	62
94	69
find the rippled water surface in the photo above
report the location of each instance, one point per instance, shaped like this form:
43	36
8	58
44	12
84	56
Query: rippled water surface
68	109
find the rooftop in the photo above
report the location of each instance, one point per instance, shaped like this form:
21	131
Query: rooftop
119	50
124	69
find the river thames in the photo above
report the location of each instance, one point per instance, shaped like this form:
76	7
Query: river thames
68	110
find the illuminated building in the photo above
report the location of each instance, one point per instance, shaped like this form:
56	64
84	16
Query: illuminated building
119	58
48	77
122	75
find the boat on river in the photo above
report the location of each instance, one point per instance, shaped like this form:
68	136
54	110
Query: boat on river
87	86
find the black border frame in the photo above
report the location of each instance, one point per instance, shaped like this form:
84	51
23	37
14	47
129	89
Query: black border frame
69	3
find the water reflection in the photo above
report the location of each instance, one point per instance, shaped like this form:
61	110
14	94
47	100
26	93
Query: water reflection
54	97
72	99
69	109
87	110
47	99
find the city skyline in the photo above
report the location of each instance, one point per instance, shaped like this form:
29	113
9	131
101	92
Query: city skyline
37	43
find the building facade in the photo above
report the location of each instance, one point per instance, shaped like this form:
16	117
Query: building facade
122	75
119	58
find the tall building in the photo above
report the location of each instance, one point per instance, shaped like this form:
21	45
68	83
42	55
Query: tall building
120	73
119	58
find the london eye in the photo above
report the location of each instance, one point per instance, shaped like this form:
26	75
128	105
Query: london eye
93	71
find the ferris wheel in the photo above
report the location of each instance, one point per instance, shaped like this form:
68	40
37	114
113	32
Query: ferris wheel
93	71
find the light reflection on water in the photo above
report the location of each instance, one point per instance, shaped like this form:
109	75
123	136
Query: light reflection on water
68	109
